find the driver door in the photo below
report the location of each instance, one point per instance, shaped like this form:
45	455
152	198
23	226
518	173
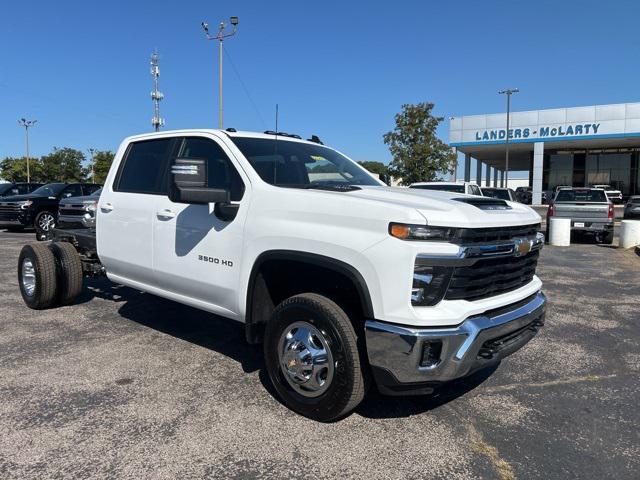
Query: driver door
196	253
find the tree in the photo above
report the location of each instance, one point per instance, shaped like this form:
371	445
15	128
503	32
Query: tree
15	169
375	167
418	154
102	161
64	165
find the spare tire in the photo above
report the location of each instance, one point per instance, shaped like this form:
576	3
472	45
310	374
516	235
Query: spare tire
69	271
37	276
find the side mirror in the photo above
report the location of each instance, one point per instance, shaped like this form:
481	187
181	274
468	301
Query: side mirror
188	183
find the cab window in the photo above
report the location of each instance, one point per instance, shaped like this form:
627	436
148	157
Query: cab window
220	171
144	167
71	191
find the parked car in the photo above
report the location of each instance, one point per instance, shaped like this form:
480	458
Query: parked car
501	193
632	207
18	188
589	209
78	212
346	281
39	209
456	187
612	194
523	195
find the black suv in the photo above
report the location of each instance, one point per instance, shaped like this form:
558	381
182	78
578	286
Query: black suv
18	188
39	209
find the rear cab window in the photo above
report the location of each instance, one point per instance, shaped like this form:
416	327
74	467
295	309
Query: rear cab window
584	195
144	168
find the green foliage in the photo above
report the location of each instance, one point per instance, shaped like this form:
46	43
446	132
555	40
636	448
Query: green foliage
418	154
376	167
15	169
64	165
101	163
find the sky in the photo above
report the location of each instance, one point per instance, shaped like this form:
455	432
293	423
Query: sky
337	69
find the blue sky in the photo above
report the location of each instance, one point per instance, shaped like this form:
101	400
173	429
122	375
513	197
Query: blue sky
340	70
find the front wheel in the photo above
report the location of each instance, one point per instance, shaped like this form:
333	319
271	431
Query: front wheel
312	357
44	222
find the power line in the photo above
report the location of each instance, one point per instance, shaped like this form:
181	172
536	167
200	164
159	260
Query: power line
246	90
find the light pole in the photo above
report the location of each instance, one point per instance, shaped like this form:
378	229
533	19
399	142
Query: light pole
93	173
26	124
220	37
508	92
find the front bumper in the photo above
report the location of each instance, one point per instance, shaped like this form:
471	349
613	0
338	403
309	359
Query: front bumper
77	221
396	352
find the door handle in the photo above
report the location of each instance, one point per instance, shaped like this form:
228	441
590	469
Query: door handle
106	207
166	213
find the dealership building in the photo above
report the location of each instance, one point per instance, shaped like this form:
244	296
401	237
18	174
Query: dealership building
579	146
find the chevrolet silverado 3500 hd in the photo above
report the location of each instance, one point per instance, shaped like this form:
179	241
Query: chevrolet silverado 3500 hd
344	280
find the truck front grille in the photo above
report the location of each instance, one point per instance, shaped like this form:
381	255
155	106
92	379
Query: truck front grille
471	236
72	211
9	210
491	276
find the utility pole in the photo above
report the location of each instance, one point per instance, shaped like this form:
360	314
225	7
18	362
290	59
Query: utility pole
221	35
93	173
26	124
508	92
156	95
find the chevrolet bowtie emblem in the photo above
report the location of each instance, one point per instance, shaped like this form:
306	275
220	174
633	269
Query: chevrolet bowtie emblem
522	246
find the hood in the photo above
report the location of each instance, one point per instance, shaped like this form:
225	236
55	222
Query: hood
22	198
79	200
449	209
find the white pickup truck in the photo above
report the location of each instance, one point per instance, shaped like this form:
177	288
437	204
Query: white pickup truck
346	282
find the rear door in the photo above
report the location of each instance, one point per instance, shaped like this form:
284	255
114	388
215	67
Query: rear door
127	211
197	253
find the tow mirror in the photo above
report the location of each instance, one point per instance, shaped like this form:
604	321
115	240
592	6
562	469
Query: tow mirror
188	183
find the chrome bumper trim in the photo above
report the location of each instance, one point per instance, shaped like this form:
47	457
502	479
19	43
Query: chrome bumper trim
398	349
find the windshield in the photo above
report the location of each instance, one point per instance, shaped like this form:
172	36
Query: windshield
442	187
5	187
501	194
301	165
581	196
635	200
50	190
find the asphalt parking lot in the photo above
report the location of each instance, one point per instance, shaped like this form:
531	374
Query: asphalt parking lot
126	385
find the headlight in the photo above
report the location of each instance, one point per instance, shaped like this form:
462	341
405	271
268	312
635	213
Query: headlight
429	284
404	231
91	207
26	204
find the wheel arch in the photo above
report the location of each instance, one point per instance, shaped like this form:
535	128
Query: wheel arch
259	304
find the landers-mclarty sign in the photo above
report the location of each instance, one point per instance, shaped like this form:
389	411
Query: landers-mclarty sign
572	130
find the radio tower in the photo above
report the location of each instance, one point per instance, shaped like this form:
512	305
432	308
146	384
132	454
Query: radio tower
156	95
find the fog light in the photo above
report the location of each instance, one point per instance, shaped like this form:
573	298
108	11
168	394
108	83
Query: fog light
429	284
431	351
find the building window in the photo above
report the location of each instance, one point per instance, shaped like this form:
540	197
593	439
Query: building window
610	169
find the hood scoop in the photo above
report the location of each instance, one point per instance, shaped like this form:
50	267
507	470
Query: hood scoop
485	203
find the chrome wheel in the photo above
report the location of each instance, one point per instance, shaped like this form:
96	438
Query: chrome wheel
46	222
305	359
28	277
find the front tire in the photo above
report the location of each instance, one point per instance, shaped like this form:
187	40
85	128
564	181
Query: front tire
311	355
37	276
44	222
